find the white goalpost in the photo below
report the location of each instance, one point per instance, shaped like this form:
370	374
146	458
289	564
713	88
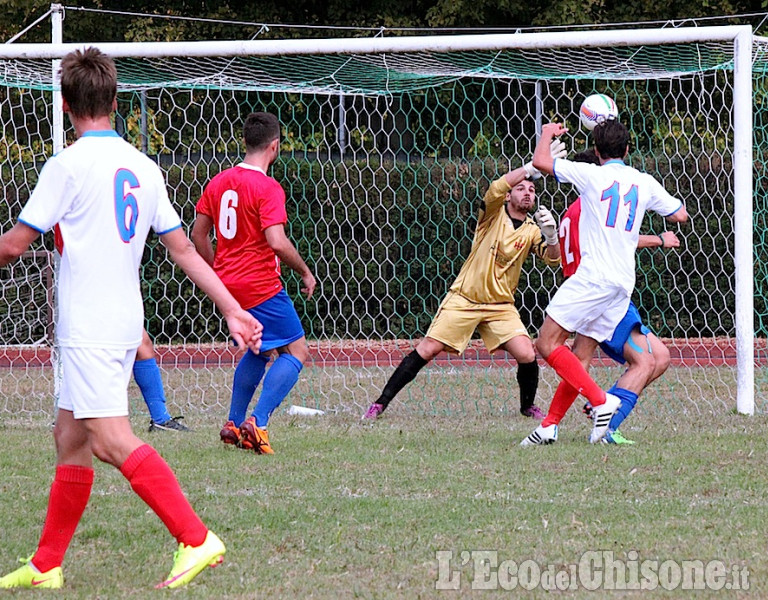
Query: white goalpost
387	144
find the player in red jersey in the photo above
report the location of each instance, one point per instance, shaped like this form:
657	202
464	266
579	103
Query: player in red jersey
246	209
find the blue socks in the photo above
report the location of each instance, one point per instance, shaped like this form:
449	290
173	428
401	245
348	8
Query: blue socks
628	402
280	379
147	376
248	375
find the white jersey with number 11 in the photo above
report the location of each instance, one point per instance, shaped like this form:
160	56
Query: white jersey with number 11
614	199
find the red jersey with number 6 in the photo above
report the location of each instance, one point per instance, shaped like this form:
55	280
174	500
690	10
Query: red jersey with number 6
242	202
568	233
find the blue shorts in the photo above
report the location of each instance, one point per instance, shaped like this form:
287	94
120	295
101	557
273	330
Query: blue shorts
280	320
615	346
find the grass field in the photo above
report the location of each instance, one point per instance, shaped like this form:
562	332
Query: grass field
352	510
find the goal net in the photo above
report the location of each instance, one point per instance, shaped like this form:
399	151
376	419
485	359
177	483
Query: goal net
388	145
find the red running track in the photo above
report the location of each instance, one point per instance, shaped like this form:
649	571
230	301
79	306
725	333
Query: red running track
703	352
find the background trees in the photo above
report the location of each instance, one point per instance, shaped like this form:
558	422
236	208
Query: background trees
82	25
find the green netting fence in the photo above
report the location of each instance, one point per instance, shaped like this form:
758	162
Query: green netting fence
384	159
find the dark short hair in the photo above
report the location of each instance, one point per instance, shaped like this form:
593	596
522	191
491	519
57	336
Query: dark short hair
88	82
587	156
611	139
259	130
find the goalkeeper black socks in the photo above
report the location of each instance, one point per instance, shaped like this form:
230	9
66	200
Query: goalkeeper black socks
528	380
405	372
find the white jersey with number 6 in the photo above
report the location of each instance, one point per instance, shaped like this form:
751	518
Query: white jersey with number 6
105	196
614	199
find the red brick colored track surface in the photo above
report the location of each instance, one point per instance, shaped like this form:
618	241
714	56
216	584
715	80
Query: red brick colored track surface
704	352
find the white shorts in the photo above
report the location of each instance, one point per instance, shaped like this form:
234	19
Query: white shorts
589	308
94	381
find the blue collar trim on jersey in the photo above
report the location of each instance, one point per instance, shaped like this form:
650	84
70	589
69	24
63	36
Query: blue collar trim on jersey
614	160
101	133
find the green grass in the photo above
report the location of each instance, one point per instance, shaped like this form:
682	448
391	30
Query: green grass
352	510
449	390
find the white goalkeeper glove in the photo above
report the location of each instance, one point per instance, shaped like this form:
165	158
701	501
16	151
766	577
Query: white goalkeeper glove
556	150
531	172
547	225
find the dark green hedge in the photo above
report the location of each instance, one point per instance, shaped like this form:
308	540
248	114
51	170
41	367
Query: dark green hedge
386	243
385	239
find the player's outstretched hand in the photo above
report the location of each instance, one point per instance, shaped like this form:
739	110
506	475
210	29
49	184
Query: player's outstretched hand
309	285
553	130
557	149
545	152
245	330
547	224
670	240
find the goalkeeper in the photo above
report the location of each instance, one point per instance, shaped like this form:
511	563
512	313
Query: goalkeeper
483	296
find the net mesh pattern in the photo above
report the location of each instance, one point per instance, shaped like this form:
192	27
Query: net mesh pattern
384	159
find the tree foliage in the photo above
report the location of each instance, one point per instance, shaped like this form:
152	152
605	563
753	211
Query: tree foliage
203	19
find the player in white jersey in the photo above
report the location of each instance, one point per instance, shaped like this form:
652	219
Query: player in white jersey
105	196
632	343
146	373
591	303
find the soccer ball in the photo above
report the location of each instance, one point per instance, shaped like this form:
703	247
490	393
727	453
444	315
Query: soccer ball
596	109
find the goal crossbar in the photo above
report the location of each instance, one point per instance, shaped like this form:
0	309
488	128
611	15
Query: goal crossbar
378	45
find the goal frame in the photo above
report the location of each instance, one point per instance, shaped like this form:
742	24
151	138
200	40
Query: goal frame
740	36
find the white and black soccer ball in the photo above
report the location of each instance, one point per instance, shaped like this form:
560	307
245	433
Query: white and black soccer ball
597	108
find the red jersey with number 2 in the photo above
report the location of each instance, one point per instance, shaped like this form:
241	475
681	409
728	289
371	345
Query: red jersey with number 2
568	233
242	202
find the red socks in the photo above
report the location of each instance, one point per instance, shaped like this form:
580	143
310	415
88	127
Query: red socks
70	491
570	370
152	479
564	396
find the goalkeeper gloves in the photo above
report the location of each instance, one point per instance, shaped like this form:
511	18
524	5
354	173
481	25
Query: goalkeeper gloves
556	150
547	225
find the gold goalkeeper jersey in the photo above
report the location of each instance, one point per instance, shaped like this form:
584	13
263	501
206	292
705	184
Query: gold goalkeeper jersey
491	273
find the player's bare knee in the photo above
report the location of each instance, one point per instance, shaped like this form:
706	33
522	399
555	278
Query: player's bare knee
70	441
644	362
662	357
63	439
105	452
526	356
543	347
428	348
299	350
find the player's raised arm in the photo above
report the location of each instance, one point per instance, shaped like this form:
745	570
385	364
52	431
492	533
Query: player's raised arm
543	157
515	176
496	195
